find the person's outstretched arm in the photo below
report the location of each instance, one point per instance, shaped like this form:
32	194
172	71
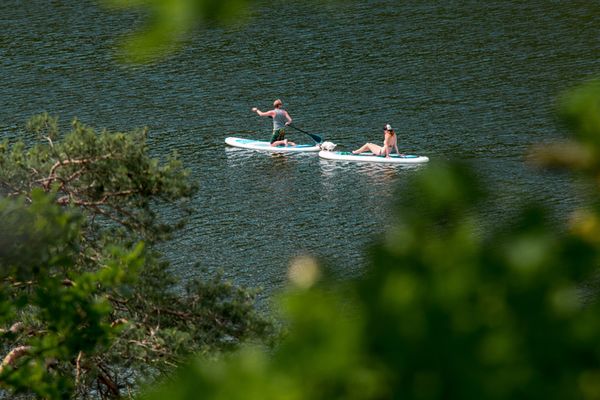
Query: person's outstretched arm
269	113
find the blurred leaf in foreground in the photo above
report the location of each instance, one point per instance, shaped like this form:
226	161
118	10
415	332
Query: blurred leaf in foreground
447	310
169	23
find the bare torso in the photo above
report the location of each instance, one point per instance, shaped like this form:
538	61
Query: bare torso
390	141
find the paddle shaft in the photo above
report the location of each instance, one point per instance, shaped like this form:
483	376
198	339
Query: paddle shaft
314	137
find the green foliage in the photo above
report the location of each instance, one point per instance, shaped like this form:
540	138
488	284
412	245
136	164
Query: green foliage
109	175
169	23
90	308
446	310
320	358
39	241
581	111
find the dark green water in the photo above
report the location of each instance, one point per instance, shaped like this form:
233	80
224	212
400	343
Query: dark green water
475	80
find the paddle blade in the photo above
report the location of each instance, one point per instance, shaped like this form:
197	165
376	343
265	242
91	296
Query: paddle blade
316	138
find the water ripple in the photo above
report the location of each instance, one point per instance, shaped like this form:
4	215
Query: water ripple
471	81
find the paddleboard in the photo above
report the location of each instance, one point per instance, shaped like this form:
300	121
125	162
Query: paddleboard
266	146
370	157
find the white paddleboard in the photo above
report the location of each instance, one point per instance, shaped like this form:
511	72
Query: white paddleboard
266	146
370	157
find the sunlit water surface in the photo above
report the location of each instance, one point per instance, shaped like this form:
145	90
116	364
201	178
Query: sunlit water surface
475	81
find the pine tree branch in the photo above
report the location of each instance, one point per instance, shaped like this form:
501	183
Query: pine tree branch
62	163
13	356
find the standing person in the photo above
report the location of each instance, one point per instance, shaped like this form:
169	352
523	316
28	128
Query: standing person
390	140
281	119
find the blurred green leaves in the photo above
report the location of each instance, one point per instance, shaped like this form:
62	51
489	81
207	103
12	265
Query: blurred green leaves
447	310
169	23
579	111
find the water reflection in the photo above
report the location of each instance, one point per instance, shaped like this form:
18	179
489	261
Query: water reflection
236	156
386	171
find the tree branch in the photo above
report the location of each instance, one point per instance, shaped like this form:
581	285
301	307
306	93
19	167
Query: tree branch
107	381
13	356
62	163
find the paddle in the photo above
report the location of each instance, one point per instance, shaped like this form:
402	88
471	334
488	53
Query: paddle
314	137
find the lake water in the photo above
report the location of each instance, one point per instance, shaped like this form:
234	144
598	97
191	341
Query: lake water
474	80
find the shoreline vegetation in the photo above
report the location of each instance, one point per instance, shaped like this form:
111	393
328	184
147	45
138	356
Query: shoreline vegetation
91	306
443	311
89	309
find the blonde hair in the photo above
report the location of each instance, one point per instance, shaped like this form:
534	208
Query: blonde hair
277	103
